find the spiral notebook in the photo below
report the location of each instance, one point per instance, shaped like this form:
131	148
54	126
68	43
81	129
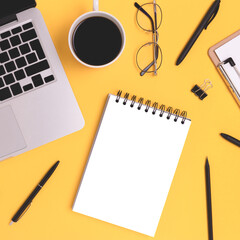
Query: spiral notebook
132	163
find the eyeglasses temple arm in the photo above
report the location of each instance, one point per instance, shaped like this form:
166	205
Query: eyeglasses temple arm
149	65
155	14
146	68
144	12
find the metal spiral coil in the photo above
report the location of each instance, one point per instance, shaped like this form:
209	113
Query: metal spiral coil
169	111
162	109
125	98
133	99
147	103
155	106
176	112
140	101
118	95
184	116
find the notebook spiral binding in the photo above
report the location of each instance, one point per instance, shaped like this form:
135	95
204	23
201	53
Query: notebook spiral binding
169	111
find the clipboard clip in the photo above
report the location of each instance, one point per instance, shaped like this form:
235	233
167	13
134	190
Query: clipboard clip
228	60
226	76
232	64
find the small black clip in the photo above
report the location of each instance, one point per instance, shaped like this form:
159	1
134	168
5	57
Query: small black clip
201	91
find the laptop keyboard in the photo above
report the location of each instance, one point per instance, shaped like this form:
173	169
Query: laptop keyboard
23	63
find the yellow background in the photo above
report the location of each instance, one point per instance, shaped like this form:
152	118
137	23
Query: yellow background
184	216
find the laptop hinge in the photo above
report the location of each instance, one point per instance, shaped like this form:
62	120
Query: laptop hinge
8	19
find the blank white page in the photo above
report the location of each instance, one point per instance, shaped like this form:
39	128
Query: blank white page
131	166
231	49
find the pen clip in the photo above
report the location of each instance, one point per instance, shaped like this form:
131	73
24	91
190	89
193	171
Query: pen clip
212	17
24	211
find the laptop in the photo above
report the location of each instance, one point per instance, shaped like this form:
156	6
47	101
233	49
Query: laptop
37	104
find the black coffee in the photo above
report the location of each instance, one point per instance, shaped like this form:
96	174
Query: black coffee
97	41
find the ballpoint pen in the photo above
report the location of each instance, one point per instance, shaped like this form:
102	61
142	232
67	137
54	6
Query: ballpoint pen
209	200
207	19
25	206
231	139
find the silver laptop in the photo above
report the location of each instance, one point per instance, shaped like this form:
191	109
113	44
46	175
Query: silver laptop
37	104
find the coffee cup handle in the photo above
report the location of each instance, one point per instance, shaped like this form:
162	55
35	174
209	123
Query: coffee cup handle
95	5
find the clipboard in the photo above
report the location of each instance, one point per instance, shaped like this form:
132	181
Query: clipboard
220	66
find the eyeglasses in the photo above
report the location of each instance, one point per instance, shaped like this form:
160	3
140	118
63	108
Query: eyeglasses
145	62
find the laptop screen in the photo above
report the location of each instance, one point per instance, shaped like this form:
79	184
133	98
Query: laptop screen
8	7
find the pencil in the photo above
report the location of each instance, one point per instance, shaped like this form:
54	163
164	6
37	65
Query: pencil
209	201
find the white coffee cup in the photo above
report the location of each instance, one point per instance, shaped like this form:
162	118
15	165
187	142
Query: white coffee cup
95	13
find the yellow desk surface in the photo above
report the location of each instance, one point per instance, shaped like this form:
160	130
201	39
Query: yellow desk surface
184	216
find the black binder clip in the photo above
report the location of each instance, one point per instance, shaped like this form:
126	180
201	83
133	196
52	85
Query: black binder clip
201	91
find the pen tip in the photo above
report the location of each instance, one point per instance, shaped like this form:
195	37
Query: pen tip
11	223
178	61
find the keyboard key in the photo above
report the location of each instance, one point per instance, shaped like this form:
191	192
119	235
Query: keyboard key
37	67
24	48
26	36
5	93
19	74
9	79
15	41
49	78
21	62
10	66
4	57
36	46
27	26
16	30
28	87
16	89
4	45
2	71
14	53
37	80
5	34
31	58
1	83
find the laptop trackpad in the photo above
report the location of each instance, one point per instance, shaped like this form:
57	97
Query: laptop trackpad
11	138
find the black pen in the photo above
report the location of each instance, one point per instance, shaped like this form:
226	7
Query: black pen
210	15
27	203
231	139
209	201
